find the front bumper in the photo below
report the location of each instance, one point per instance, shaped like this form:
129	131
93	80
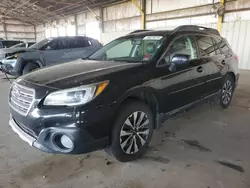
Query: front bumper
82	141
23	135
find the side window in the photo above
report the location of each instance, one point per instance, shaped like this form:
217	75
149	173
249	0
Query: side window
79	42
217	49
5	44
57	44
52	45
206	46
224	48
62	44
15	42
182	51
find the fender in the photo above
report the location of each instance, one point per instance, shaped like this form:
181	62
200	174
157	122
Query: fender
144	93
22	62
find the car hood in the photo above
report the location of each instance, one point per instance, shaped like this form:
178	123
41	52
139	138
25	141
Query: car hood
76	73
13	50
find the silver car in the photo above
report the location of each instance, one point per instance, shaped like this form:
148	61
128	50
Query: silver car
48	52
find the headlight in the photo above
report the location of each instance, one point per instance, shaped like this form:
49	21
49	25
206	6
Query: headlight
75	96
15	56
9	61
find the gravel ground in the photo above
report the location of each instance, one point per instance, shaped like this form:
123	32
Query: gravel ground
206	147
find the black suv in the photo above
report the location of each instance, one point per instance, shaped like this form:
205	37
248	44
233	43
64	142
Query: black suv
116	98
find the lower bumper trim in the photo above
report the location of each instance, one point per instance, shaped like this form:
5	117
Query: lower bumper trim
24	136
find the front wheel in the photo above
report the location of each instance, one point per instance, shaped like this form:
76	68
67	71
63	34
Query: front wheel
29	68
132	131
227	91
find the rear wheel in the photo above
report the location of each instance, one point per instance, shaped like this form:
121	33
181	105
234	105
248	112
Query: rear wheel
227	91
132	131
30	67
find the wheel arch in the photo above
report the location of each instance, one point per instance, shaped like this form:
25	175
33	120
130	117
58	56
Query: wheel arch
145	95
232	74
25	62
37	62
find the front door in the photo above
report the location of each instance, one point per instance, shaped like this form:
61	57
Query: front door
57	51
183	83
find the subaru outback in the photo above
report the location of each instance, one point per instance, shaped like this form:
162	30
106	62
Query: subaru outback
116	98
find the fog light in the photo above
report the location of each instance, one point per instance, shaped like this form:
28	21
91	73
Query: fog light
63	143
66	142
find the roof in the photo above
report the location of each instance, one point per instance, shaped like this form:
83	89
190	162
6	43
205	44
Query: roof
150	33
182	28
43	11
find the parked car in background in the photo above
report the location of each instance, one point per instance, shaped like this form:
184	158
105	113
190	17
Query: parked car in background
124	91
8	43
23	45
7	52
49	52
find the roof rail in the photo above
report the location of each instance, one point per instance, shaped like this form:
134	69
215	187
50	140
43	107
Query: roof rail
137	31
196	28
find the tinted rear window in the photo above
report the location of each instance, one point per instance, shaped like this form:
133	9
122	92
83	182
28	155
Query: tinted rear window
223	45
206	45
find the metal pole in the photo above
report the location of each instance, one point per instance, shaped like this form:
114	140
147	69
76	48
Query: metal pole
76	25
5	30
220	18
143	18
35	33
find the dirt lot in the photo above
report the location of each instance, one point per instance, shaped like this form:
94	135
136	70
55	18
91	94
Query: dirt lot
204	148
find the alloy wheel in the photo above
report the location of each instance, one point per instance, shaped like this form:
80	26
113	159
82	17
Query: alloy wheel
134	132
227	92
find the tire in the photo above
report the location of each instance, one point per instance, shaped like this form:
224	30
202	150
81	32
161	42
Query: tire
29	68
227	91
135	139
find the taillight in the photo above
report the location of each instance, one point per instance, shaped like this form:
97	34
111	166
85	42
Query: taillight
236	58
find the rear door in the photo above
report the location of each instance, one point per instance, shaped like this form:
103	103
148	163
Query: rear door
183	83
81	47
213	64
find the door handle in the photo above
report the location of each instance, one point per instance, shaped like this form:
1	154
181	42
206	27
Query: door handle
199	69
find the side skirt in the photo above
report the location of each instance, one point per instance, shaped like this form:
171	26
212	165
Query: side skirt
161	118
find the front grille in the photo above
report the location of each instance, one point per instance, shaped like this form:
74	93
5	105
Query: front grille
21	98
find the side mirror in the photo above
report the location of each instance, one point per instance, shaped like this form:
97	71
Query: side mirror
172	67
162	61
165	60
179	59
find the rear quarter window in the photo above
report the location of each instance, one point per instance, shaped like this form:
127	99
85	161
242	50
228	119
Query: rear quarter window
223	45
206	46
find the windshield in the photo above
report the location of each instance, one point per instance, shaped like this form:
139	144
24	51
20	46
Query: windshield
40	44
141	48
